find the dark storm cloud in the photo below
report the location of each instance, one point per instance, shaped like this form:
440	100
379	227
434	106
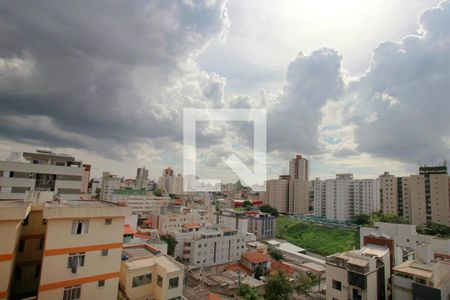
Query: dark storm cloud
103	69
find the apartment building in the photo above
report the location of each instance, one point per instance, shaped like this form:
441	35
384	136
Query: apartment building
42	171
359	274
262	225
419	198
299	168
12	214
170	183
173	219
415	280
388	193
277	194
146	273
210	245
141	202
298	202
344	197
407	243
110	182
63	249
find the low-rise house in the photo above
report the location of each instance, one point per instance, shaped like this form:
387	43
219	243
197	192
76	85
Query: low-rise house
416	280
256	261
146	273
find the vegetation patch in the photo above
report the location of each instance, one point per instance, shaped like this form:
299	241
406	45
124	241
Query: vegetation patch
320	239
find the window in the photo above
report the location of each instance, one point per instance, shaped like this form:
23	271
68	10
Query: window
101	283
21	245
80	226
37	271
173	283
72	292
104	252
17	273
41	244
337	285
159	281
44	221
108	221
141	280
75	261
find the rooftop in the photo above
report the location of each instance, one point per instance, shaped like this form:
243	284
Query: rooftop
255	257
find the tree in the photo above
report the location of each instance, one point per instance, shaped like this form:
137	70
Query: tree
304	284
362	219
247	204
268	209
260	271
248	293
275	253
433	228
171	243
158	192
278	286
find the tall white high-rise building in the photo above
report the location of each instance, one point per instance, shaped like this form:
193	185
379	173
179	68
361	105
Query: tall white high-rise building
344	197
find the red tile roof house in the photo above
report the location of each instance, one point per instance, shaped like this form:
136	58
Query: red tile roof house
277	265
254	259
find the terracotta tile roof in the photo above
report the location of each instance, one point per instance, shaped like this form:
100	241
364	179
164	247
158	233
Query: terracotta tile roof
255	257
213	296
236	267
128	230
191	226
148	221
276	265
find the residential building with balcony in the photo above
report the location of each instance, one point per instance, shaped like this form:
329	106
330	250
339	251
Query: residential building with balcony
42	171
141	202
359	274
416	280
205	246
407	243
62	249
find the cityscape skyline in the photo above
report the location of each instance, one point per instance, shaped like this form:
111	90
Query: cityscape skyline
359	118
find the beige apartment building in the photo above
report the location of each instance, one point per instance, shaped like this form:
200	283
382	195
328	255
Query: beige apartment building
42	171
277	194
298	197
141	202
12	214
173	219
418	198
388	193
146	273
62	249
416	280
359	274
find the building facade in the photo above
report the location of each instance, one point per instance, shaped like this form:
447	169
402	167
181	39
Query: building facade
66	249
110	182
359	274
344	197
42	171
419	198
209	246
146	273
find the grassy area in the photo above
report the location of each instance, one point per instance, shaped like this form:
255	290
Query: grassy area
316	238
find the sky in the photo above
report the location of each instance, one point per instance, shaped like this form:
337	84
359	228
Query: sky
354	85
